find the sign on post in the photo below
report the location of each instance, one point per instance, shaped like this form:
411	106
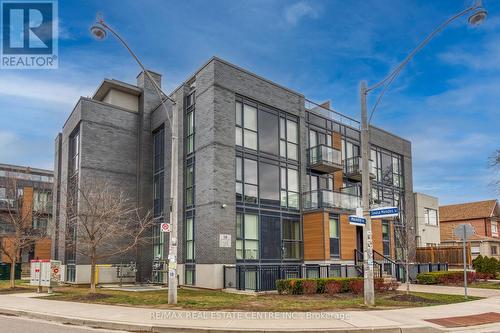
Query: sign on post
463	232
165	227
382	212
357	220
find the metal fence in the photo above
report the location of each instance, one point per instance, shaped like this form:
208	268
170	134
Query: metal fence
262	277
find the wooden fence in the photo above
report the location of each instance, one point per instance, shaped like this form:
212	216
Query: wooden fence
453	255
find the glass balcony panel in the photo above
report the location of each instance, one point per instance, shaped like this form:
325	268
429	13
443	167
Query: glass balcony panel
330	199
325	159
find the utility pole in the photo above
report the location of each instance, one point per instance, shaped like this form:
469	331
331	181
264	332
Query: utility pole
369	293
172	253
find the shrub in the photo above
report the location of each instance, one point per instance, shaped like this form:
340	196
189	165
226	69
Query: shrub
445	277
333	287
309	286
486	265
356	286
319	286
283	287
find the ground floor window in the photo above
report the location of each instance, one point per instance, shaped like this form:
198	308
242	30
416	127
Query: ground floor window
189	274
71	273
247	236
386	238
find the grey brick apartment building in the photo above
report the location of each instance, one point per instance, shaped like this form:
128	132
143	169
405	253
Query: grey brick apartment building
259	164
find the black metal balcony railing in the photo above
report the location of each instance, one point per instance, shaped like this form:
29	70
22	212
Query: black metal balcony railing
330	199
352	168
325	159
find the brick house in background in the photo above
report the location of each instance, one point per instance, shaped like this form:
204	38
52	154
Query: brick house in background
484	216
33	190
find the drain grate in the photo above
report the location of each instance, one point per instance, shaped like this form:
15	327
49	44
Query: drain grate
472	320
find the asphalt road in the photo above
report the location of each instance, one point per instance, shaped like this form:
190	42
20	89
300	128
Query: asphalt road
25	325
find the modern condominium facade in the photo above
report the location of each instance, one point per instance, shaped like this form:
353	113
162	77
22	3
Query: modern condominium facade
266	178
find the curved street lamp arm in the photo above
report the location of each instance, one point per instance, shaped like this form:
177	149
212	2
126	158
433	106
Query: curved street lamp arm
386	82
161	94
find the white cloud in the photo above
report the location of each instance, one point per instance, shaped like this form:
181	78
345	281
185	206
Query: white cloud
24	87
299	10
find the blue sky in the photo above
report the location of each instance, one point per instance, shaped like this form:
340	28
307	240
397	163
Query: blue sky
446	101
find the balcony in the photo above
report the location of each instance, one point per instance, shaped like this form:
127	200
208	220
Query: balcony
352	168
330	199
325	159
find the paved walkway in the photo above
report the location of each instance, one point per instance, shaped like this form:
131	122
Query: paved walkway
154	320
451	290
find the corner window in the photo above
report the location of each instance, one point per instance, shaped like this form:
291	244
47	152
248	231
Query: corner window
189	185
246	125
190	133
189	239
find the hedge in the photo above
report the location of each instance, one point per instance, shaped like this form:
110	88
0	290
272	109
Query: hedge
490	267
446	277
329	285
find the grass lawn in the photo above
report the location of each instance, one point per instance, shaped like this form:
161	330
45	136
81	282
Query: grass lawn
21	286
218	300
486	285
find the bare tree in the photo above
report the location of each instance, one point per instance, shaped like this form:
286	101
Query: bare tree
102	222
17	230
495	165
404	230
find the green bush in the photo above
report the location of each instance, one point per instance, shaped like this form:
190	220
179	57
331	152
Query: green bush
445	277
488	266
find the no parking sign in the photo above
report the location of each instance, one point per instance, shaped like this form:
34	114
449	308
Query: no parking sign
165	227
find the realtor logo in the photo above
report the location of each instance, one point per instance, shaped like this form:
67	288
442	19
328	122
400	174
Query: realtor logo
29	34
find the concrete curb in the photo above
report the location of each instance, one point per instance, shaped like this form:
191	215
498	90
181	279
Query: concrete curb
141	328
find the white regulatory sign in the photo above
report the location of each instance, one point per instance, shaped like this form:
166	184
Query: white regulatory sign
165	227
224	240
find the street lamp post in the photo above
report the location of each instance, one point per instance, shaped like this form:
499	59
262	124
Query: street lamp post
478	15
99	32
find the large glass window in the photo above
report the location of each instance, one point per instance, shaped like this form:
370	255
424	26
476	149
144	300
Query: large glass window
246	125
269	181
251	187
189	185
289	139
334	237
268	134
247	236
270	237
189	133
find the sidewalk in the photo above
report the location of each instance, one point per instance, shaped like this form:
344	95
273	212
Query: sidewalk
157	320
451	290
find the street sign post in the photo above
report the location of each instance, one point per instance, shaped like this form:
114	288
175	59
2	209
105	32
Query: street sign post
464	231
382	212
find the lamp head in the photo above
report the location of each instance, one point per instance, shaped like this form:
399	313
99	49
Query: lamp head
98	32
478	17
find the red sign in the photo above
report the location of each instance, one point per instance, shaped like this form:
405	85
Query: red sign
165	227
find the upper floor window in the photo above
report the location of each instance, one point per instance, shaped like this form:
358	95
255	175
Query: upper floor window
430	216
334	237
189	185
3	193
189	239
74	151
190	132
289	139
247	185
246	125
289	188
291	236
494	229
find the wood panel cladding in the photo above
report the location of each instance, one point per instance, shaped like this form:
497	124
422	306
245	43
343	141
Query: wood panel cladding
316	236
338	177
27	205
42	249
347	238
377	236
